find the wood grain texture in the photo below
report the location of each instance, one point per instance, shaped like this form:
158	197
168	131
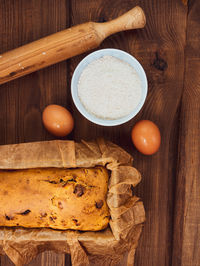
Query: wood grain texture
22	101
161	50
168	49
186	244
47	258
164	64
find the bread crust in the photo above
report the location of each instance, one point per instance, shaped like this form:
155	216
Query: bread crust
55	198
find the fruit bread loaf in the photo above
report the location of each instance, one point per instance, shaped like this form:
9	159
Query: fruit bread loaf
54	198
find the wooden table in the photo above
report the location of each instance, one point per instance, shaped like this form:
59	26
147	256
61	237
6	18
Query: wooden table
168	49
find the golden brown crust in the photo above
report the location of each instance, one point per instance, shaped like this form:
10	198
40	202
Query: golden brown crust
55	198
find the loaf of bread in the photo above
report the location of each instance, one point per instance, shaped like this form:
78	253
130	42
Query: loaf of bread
54	198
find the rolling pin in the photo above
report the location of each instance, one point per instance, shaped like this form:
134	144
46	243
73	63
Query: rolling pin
64	44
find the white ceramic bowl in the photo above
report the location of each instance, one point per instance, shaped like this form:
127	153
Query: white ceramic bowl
87	60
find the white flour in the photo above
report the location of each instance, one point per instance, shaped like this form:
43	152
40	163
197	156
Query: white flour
109	88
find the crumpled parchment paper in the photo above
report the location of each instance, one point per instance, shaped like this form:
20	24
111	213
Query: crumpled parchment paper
86	248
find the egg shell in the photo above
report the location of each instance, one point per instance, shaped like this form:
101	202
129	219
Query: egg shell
146	137
57	120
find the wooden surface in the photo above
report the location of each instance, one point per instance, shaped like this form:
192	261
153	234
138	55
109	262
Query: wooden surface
168	49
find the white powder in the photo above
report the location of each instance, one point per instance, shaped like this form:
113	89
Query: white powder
109	88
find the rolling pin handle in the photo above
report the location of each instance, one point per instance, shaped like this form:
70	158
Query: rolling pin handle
133	19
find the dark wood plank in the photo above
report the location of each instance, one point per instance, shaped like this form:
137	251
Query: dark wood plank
186	246
5	261
162	41
22	101
47	258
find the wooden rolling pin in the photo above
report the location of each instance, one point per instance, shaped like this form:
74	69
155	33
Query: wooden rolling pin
64	44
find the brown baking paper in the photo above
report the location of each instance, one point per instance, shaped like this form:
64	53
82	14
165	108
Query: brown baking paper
105	247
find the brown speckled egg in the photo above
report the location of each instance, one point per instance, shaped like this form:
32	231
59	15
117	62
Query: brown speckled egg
57	120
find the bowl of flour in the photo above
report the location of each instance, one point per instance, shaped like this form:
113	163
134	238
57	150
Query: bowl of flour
109	87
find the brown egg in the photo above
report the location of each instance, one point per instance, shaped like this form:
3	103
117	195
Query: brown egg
146	137
57	120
